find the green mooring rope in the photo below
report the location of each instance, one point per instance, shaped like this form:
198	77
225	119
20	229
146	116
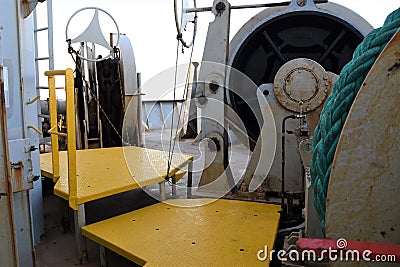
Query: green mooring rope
337	106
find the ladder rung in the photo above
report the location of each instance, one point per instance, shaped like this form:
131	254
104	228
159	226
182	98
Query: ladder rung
44	116
42	58
93	139
42	87
42	29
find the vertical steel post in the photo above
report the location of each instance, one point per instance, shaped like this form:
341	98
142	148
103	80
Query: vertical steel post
103	256
190	180
80	221
71	133
173	178
162	191
8	238
139	127
210	96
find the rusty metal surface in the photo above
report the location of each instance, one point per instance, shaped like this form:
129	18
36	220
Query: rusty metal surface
19	59
21	165
17	170
27	6
8	239
301	85
313	117
364	185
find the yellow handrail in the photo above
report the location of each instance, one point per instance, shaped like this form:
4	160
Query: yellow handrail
71	135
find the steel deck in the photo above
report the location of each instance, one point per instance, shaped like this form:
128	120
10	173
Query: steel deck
105	172
222	233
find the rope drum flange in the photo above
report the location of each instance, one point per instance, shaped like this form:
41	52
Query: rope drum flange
270	40
338	104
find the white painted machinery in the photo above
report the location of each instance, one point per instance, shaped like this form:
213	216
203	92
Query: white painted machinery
268	85
293	55
106	83
291	52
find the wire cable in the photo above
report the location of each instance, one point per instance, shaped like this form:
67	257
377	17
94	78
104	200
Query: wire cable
72	51
172	140
173	110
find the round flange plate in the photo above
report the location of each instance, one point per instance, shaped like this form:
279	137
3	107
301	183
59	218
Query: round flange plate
301	85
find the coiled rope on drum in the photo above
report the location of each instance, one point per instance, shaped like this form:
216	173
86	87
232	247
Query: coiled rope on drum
338	104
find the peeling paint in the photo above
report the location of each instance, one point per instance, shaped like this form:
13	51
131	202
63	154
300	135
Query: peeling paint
27	6
17	170
394	67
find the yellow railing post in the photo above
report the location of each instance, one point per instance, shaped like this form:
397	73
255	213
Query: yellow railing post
71	134
53	128
71	139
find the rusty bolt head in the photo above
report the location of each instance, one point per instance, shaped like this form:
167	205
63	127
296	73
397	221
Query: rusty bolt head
202	100
213	87
220	7
301	2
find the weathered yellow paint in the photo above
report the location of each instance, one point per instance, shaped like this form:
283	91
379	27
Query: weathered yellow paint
35	129
221	233
30	102
54	131
108	171
53	125
71	139
55	72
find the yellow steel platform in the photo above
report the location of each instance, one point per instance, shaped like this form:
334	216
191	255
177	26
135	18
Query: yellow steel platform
223	233
107	171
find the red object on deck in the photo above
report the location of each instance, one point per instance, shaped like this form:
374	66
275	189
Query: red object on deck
378	251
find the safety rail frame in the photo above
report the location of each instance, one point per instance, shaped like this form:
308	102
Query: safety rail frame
71	134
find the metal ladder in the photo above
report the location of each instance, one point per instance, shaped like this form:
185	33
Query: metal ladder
49	30
49	57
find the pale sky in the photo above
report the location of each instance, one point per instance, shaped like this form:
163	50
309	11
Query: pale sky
151	28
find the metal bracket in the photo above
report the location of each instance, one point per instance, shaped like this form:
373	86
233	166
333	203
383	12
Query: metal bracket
210	96
21	164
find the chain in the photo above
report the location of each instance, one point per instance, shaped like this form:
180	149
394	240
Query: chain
72	51
307	173
120	87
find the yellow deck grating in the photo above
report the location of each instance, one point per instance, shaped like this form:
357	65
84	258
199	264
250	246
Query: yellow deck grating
104	172
223	233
